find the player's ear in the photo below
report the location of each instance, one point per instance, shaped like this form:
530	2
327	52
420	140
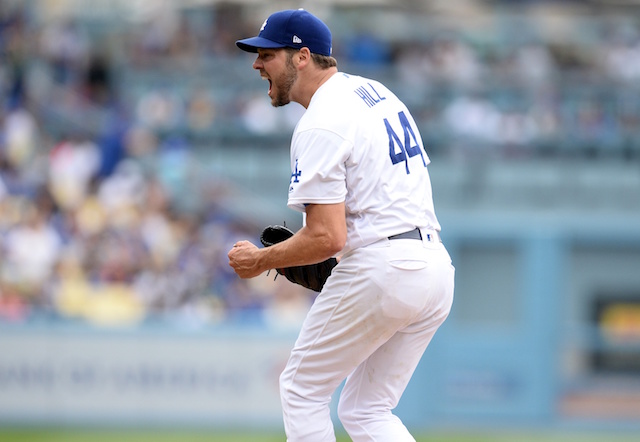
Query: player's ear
304	57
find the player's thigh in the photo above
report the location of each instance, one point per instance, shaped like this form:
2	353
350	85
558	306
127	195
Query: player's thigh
419	291
346	324
378	382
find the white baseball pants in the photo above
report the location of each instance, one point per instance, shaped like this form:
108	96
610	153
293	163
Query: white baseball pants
370	324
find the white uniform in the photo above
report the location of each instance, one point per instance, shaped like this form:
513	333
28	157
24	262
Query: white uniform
342	150
358	143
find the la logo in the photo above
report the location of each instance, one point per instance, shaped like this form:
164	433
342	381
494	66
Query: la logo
295	176
263	25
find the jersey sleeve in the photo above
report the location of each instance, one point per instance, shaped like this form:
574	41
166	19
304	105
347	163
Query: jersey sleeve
318	171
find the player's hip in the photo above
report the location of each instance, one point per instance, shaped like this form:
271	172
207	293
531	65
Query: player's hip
395	264
407	283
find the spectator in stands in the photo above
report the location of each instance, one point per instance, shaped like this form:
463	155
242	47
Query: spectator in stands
31	249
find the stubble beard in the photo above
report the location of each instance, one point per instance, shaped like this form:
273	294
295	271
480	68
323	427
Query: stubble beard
284	83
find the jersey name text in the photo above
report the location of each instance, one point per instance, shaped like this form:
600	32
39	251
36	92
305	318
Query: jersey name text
370	98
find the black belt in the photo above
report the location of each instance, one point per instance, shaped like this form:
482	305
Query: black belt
414	234
411	234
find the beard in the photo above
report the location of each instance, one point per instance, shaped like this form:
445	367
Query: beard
283	85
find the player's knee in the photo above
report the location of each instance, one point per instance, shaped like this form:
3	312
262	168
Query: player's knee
290	398
348	415
305	419
362	425
370	423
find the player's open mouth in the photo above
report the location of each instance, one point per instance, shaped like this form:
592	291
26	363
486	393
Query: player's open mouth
264	77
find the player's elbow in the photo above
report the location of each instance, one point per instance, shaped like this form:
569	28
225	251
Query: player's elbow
335	248
335	243
327	244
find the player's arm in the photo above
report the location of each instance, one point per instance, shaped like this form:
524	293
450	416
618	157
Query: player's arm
324	235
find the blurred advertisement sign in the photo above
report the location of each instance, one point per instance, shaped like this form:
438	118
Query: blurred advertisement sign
133	378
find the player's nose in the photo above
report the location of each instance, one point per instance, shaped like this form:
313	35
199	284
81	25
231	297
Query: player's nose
258	64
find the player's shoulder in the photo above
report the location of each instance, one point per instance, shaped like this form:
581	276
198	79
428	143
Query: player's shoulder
366	92
343	94
344	102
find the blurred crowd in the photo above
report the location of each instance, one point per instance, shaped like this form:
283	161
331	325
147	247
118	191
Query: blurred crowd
107	213
508	89
101	219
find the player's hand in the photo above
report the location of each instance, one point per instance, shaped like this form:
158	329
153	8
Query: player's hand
243	258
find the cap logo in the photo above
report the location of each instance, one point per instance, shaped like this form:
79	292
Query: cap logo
264	25
296	39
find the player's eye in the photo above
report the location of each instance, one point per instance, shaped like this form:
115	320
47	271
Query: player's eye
266	54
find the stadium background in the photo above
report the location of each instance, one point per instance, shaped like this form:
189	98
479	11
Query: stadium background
137	144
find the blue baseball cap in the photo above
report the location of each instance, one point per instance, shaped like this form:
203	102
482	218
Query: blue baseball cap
292	28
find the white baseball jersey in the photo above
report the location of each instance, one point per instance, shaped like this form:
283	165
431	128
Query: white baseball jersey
358	143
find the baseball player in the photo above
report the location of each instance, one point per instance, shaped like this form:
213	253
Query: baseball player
359	175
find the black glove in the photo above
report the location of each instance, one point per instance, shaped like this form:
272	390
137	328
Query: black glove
312	276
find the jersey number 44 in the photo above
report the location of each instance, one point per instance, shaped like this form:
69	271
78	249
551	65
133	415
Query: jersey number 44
401	149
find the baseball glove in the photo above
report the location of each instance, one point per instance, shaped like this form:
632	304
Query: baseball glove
312	276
